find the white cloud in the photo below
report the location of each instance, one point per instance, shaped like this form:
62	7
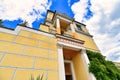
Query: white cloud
28	10
114	54
104	25
79	9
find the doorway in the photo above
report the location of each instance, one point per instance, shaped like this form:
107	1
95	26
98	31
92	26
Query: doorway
68	63
68	70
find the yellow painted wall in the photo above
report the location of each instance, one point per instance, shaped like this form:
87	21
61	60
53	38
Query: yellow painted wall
52	28
6	37
89	42
6	73
44	28
28	54
1	55
79	67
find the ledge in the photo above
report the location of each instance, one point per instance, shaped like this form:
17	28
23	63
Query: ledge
70	39
19	28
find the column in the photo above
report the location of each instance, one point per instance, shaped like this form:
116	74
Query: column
73	30
58	26
61	63
86	62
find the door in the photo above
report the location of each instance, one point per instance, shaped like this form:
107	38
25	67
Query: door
69	72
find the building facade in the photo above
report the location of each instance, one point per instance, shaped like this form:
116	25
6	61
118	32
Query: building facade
57	50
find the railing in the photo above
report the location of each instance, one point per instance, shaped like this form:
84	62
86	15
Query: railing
68	35
52	31
65	34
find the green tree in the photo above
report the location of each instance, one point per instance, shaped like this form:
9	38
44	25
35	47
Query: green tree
102	69
1	23
24	23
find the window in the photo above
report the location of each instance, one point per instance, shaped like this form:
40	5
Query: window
79	27
50	16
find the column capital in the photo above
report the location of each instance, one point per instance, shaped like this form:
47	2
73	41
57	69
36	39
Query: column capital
83	51
57	18
61	67
60	45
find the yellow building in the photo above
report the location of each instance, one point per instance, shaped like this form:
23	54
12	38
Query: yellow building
57	50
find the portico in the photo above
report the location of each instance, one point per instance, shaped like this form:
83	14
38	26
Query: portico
70	57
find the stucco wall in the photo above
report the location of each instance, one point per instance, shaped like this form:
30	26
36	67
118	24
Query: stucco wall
89	42
26	54
79	67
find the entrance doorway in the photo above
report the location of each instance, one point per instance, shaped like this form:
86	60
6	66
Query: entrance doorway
68	71
74	65
68	63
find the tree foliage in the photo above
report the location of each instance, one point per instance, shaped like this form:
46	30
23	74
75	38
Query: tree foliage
24	23
1	23
102	69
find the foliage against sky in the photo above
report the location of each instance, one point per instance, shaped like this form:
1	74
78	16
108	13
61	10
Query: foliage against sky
102	69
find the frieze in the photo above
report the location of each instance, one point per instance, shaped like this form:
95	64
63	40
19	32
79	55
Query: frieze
69	42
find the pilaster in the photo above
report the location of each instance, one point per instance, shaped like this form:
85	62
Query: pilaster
61	63
58	26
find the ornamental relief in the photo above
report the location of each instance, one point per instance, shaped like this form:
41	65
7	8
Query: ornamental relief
69	42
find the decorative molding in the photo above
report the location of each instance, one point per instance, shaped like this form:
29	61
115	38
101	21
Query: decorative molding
64	19
19	28
70	42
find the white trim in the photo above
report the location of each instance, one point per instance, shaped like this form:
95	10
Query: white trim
61	63
85	56
58	23
72	27
64	19
86	64
72	68
19	28
74	24
70	45
47	23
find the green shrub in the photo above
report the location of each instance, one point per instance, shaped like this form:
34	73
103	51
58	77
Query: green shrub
38	77
102	69
1	23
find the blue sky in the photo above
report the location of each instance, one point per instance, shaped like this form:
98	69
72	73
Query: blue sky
61	6
101	17
57	5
